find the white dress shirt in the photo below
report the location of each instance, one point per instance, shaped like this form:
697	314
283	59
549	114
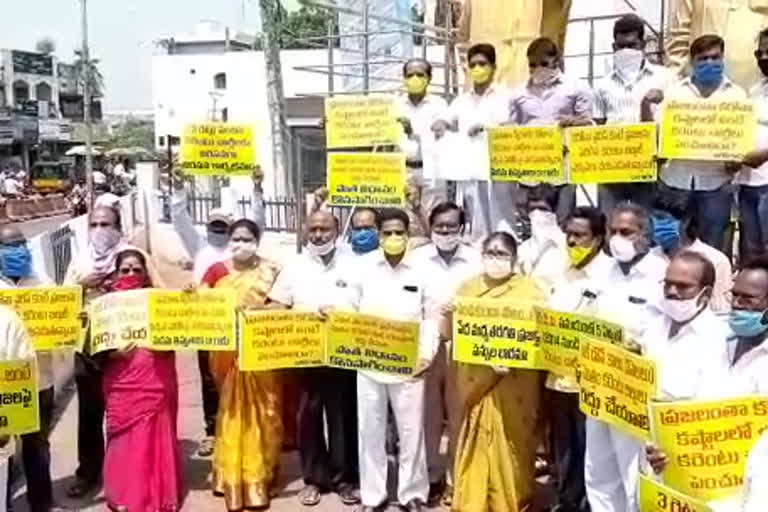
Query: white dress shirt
397	293
422	116
756	488
749	176
720	302
618	99
698	174
545	261
749	375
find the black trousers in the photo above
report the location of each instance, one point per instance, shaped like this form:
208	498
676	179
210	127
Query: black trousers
569	446
90	419
210	394
333	392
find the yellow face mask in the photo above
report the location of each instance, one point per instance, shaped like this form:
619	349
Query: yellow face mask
480	74
416	84
578	254
394	245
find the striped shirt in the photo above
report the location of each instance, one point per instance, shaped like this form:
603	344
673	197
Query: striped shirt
617	100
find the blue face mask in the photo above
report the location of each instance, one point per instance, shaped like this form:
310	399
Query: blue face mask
747	324
708	73
666	231
16	261
364	240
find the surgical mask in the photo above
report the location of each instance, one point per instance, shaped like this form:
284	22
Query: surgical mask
666	231
542	77
480	74
130	282
578	254
364	240
394	245
622	248
218	240
446	243
243	251
322	249
16	261
104	238
747	324
628	61
416	84
497	268
543	224
681	310
708	73
763	65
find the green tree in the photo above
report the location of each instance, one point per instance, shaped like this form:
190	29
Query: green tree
302	23
89	72
134	133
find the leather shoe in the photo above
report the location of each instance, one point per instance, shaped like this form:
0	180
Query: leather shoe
414	505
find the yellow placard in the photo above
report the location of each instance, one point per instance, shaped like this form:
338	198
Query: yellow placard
270	340
358	121
218	149
562	335
707	129
51	315
366	179
526	153
204	320
612	154
656	497
708	443
493	332
18	398
616	386
119	319
355	341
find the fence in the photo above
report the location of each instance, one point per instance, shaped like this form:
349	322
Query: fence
61	248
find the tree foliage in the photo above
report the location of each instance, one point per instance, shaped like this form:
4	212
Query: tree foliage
90	72
46	46
132	133
302	23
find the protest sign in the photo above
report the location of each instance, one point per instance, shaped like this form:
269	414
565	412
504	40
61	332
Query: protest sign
270	340
355	341
119	319
204	320
494	332
656	497
707	129
527	153
357	121
51	315
18	398
616	386
561	337
708	443
612	154
218	149
366	179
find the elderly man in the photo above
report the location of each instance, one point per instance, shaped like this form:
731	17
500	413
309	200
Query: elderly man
363	231
319	280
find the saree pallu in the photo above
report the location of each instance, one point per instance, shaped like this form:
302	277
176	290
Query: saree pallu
142	465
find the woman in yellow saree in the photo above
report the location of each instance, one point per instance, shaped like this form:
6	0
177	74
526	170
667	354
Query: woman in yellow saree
498	407
249	429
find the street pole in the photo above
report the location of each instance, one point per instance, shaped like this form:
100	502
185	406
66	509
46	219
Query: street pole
87	103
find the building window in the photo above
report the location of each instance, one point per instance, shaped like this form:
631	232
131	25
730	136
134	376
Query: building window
43	92
225	114
220	81
161	141
20	91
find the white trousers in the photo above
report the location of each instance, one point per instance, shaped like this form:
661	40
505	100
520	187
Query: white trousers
3	482
407	399
612	467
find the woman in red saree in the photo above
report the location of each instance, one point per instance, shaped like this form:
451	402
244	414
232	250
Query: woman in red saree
142	465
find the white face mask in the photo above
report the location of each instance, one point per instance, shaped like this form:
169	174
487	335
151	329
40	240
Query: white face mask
622	248
243	251
497	268
446	243
321	250
628	61
542	77
681	310
543	224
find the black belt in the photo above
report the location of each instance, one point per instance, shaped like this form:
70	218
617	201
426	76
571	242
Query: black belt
415	163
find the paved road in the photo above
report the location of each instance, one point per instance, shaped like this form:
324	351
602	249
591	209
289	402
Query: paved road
35	227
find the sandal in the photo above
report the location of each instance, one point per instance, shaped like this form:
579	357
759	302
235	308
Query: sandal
309	496
348	494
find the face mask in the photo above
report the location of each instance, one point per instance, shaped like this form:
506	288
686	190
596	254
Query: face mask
543	76
104	238
218	240
129	282
543	224
622	248
747	324
416	84
628	61
446	243
708	73
16	261
243	251
480	74
497	268
666	231
763	65
364	240
578	254
394	245
681	310
321	250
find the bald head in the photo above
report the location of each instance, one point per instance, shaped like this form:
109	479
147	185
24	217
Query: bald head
322	227
11	235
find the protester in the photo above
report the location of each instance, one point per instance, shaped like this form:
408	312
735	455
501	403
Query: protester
705	184
446	264
575	292
626	96
484	105
249	430
319	280
142	468
364	232
499	407
756	485
14	185
549	97
392	285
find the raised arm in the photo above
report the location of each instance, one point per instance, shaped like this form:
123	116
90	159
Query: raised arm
182	223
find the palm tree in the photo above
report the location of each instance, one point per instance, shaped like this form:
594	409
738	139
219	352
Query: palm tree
89	72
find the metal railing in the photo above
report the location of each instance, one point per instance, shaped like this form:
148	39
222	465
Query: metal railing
61	247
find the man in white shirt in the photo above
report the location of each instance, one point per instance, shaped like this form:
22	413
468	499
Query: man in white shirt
363	234
392	285
756	486
446	263
14	185
705	184
621	97
576	292
319	280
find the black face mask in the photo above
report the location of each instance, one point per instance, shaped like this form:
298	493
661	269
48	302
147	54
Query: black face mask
763	65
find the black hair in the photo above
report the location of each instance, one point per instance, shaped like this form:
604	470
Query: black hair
483	49
706	42
643	217
393	214
427	65
596	219
444	207
543	46
544	192
763	34
130	253
707	268
505	238
628	24
365	209
756	263
247	224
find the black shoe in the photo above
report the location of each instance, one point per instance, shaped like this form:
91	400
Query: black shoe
436	491
82	488
414	505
